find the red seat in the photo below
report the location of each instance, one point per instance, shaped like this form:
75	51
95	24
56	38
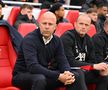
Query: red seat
62	27
41	12
26	28
7	60
92	30
13	14
72	16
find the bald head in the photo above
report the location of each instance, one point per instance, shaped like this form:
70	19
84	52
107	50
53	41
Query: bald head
48	15
47	24
83	16
82	24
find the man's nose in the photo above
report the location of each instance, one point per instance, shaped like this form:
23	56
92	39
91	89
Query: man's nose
47	25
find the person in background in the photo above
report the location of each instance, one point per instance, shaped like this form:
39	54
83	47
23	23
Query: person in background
25	16
102	10
101	44
2	4
92	13
45	5
79	51
58	10
41	62
1	16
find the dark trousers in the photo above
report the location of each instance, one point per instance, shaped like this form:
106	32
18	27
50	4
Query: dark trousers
93	77
27	81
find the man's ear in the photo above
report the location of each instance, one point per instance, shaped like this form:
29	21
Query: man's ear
56	12
55	26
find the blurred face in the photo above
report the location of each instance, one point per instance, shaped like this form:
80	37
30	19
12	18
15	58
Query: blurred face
60	12
106	28
47	24
28	12
93	16
103	10
82	24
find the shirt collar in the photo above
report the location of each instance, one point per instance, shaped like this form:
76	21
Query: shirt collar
46	41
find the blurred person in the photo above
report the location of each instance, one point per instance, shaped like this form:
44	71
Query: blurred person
101	44
79	51
41	62
58	10
3	4
92	13
25	16
102	10
45	5
92	4
1	16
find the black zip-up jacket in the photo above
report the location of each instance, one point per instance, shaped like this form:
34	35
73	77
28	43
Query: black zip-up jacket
79	51
24	19
101	46
16	38
37	58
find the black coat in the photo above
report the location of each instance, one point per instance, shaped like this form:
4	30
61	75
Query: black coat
79	51
37	58
24	19
16	38
101	46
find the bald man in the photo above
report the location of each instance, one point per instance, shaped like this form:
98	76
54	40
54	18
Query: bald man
41	63
79	51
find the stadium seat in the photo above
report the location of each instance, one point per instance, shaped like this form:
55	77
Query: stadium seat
92	30
13	14
62	27
26	28
7	60
72	16
41	12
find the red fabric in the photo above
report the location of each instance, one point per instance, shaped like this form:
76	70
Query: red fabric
92	30
7	60
26	28
72	16
62	27
13	14
87	67
9	88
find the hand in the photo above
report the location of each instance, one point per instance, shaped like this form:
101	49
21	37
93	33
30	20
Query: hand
104	72
67	77
70	81
100	66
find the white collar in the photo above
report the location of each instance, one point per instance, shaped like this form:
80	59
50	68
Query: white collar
46	41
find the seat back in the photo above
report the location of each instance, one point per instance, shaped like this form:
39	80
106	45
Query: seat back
92	30
26	28
7	58
41	12
62	27
72	16
13	14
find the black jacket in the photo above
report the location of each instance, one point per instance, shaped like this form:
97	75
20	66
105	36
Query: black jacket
101	46
37	58
79	51
24	19
100	23
88	4
16	38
